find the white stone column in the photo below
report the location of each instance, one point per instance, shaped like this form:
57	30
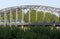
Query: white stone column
22	19
59	17
44	20
0	19
4	18
29	15
22	15
16	16
36	15
10	17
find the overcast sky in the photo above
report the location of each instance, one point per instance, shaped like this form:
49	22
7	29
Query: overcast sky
10	3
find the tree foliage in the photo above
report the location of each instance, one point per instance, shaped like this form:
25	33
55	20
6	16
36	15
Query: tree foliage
48	17
34	33
40	17
20	14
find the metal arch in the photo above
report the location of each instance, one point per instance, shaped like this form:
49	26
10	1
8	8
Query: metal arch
31	6
47	8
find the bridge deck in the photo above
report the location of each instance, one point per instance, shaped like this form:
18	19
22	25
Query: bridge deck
29	24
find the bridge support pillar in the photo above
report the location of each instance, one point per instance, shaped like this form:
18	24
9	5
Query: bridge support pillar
44	19
36	15
4	18
29	15
22	15
16	16
22	18
10	17
0	20
59	17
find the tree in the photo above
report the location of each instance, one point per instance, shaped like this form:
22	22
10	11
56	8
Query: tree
14	15
20	14
55	18
48	17
40	16
32	16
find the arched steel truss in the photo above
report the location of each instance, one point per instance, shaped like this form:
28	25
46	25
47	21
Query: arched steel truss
25	7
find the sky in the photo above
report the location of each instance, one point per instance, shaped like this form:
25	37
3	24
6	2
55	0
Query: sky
11	3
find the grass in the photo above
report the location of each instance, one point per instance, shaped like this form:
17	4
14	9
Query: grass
30	32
